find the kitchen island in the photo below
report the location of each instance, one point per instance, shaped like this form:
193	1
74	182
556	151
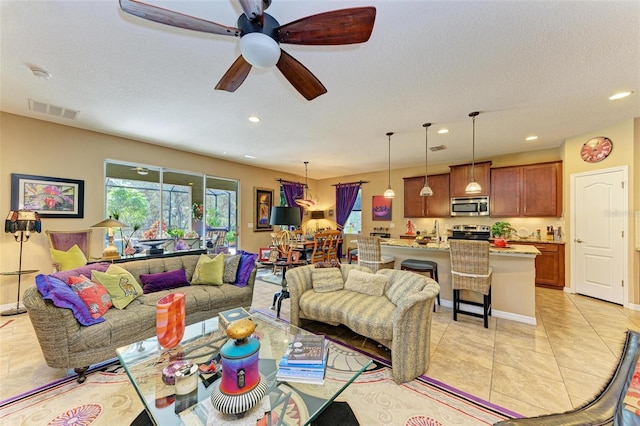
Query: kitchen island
513	282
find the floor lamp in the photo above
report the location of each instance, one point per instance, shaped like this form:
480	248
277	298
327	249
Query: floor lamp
21	223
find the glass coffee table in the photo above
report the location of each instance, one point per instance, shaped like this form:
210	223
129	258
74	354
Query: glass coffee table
284	404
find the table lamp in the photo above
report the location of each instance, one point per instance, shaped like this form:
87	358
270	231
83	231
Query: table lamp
110	251
285	216
21	223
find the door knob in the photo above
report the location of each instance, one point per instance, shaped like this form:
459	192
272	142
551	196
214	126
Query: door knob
578	240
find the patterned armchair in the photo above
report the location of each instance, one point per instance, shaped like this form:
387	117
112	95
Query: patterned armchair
64	240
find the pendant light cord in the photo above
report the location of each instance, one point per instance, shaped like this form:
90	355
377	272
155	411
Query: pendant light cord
473	116
426	150
389	168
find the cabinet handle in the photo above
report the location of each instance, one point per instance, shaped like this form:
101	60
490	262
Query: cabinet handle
578	240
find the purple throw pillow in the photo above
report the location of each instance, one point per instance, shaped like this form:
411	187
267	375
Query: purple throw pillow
63	296
163	280
83	270
247	263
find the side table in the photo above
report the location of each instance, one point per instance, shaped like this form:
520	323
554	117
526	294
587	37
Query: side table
17	310
279	296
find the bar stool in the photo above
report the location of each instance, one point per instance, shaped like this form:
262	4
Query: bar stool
421	267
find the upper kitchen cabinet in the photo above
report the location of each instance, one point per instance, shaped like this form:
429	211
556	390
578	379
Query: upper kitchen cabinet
534	190
460	177
435	206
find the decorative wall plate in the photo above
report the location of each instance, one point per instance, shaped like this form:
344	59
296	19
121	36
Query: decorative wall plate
596	149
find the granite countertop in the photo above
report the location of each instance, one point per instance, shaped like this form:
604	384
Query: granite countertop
512	249
533	241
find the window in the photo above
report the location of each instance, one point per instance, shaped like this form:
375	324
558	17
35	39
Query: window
164	203
353	225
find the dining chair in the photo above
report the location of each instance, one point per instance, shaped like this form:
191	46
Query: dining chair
470	271
370	254
64	240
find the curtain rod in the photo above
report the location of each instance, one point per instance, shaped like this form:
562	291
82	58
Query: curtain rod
289	181
350	183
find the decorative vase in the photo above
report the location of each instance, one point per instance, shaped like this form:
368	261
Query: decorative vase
500	242
170	319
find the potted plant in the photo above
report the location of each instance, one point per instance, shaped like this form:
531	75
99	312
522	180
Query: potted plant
501	231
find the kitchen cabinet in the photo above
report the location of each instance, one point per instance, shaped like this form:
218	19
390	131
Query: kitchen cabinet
435	206
460	176
549	264
533	190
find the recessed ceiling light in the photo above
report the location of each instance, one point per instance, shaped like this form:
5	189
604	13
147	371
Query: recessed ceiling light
531	138
619	96
254	119
248	156
442	131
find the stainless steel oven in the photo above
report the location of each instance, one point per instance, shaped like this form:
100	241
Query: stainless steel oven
470	206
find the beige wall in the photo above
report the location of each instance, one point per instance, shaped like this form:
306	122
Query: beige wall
37	147
626	146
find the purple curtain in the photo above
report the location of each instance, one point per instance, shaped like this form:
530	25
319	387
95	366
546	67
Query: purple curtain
293	191
346	195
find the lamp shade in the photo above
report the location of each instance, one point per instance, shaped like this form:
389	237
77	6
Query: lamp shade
110	223
22	220
317	214
285	216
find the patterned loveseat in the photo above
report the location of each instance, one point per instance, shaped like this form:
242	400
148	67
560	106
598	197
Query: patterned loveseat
66	343
398	316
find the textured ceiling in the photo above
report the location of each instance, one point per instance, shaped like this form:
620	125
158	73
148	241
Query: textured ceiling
543	68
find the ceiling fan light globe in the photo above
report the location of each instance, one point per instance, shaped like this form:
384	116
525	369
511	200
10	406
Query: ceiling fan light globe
426	191
260	50
473	188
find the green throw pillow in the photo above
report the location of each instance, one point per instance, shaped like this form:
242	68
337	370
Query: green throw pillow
70	259
121	285
208	270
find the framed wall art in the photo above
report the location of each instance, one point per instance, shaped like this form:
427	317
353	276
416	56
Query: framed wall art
381	208
49	196
262	203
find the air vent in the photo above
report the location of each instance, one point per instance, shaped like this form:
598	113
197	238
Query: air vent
438	148
53	110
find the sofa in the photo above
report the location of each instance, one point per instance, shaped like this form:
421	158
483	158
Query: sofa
66	343
392	307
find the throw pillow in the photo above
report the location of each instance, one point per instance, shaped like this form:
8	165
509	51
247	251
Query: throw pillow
230	272
94	295
163	280
330	264
208	270
61	295
365	282
325	280
120	284
247	263
70	259
83	270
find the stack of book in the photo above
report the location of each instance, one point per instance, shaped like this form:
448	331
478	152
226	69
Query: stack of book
305	360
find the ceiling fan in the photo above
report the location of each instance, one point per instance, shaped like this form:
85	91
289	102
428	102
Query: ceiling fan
260	35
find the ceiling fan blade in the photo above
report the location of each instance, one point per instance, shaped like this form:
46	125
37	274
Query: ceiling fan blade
235	75
300	77
253	10
344	26
175	19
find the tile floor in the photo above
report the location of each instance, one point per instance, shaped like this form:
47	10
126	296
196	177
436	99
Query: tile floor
558	364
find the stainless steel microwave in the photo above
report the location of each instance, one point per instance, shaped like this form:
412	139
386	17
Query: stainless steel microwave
470	206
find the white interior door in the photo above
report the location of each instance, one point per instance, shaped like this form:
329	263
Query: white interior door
599	234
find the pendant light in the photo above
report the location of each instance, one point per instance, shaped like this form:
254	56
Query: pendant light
307	201
426	190
473	187
389	192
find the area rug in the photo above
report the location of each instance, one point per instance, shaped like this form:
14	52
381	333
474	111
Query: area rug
108	398
270	277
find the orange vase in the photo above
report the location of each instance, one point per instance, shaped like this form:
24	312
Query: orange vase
170	319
